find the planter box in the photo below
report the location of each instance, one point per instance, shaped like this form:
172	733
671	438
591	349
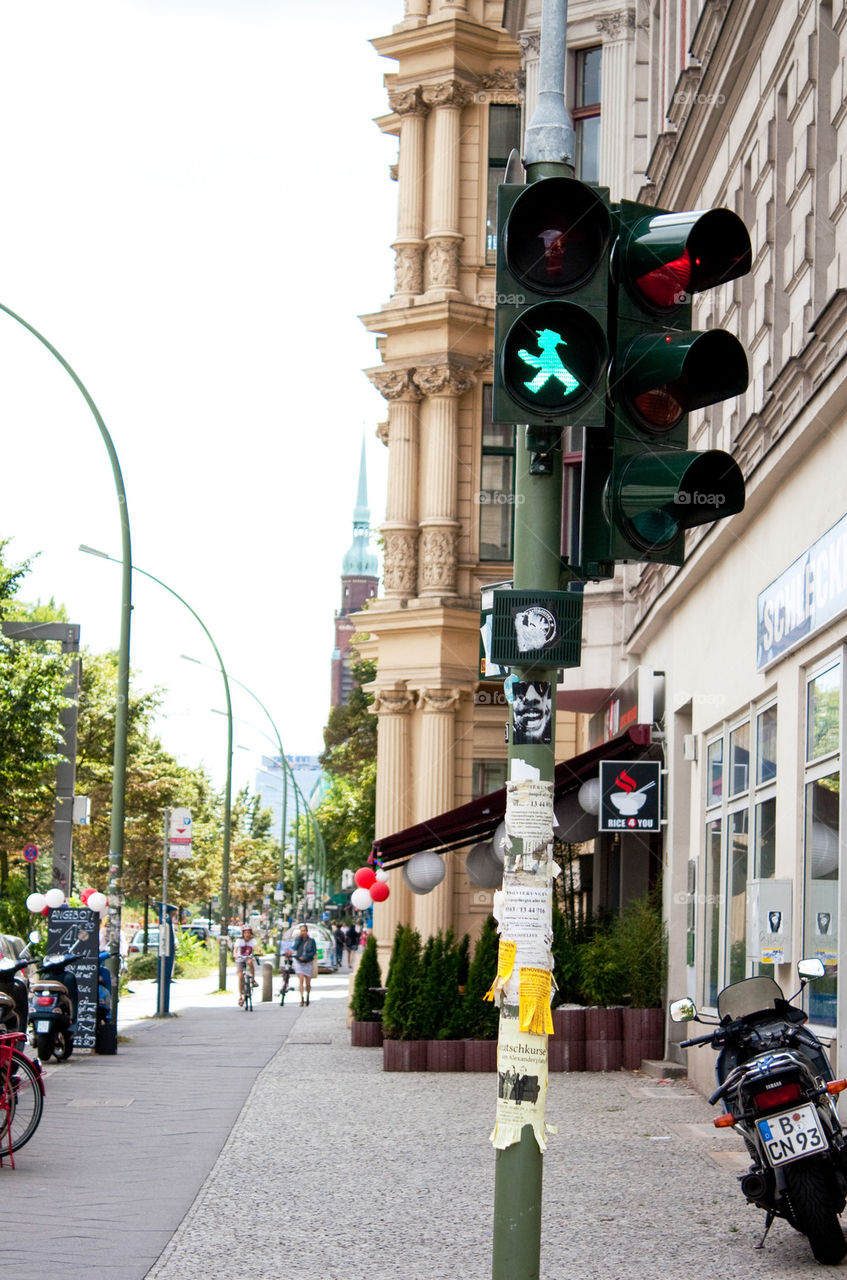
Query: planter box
365	1035
643	1036
445	1055
404	1055
603	1039
566	1046
480	1055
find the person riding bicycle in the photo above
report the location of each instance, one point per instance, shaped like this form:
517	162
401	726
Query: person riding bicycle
244	953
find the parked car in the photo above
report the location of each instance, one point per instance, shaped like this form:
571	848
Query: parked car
136	945
199	931
323	938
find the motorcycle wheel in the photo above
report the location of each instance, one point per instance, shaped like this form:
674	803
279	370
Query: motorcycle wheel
64	1046
813	1210
44	1046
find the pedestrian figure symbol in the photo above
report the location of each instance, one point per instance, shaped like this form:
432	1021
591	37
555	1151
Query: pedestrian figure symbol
548	363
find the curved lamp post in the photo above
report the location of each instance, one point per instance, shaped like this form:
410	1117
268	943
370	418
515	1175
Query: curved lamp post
228	789
116	829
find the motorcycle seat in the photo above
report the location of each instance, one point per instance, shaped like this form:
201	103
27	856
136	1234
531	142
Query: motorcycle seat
49	986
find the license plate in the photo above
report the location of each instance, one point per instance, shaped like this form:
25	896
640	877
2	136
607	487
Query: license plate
791	1135
41	1027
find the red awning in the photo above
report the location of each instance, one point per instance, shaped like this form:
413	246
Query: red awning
478	819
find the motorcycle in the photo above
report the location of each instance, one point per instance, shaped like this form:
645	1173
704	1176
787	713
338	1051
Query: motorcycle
14	991
53	1005
778	1090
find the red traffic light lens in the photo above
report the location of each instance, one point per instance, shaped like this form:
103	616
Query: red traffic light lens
556	235
659	408
667	285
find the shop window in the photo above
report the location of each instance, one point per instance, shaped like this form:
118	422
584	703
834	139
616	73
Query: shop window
497	486
822	835
504	134
586	112
740	841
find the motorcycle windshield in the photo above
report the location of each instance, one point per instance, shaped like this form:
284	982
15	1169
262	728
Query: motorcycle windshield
747	997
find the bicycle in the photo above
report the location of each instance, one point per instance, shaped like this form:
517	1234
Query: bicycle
246	989
21	1096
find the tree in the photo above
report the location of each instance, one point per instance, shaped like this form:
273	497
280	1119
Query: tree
347	812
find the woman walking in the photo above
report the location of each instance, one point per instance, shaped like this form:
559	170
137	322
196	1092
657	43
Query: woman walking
305	949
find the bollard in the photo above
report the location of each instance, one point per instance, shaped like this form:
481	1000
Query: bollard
267	981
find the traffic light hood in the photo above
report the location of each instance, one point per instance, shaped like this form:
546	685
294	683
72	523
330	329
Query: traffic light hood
666	257
663	376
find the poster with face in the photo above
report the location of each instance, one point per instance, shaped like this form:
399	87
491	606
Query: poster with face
533	713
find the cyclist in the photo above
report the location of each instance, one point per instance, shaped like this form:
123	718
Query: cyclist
244	953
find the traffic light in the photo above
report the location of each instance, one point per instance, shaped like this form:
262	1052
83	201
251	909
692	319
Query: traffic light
641	485
551	352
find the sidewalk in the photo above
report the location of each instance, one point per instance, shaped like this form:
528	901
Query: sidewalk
141	1164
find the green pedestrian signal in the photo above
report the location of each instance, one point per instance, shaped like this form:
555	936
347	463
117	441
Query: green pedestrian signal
551	352
642	487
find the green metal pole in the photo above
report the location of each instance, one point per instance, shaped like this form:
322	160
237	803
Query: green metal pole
116	827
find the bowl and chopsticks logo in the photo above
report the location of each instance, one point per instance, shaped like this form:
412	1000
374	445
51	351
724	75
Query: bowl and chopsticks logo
630	795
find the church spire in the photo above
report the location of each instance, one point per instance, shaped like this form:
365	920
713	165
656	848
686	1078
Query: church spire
360	560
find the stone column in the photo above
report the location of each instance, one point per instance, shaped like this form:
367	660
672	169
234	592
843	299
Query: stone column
442	385
530	43
435	792
617	94
393	804
400	528
409	245
441	275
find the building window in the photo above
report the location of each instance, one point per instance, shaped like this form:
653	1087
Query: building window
497	486
822	833
488	776
504	134
740	842
586	112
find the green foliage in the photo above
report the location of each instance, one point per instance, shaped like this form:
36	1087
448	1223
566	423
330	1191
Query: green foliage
482	1017
625	960
601	974
139	966
367	976
193	959
15	918
439	1001
346	813
400	1011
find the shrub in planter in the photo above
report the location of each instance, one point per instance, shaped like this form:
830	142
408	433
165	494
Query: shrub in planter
642	944
366	1027
440	1013
401	1009
602	978
482	1017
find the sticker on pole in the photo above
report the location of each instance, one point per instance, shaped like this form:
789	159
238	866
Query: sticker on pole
179	834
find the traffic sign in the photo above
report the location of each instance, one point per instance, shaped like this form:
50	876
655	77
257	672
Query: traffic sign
31	853
180	833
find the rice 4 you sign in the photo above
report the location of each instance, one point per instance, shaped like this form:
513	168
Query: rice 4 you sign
630	795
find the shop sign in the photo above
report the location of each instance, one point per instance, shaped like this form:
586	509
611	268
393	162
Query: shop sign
630	795
810	593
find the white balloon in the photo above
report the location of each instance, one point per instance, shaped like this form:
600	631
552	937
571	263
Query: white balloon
361	899
54	898
382	875
35	902
589	795
98	902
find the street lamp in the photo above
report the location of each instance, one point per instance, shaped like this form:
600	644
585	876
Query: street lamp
228	788
116	828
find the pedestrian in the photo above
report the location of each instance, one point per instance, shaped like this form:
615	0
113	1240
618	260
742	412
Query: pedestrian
305	950
352	943
340	939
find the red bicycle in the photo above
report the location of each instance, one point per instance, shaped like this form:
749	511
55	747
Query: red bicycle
21	1096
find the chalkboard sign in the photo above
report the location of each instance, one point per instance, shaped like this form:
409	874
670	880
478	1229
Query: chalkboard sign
78	928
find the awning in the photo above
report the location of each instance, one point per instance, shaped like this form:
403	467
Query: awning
478	819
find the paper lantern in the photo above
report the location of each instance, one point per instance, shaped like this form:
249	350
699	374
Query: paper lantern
35	902
483	866
382	875
97	902
498	842
379	891
574	823
589	795
361	899
365	877
424	871
54	898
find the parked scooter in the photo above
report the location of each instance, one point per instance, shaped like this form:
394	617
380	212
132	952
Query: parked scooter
777	1089
53	1005
14	991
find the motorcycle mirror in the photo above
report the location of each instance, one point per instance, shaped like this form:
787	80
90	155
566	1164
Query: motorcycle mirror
35	936
683	1010
811	968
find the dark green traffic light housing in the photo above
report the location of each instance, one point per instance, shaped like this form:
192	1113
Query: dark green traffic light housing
641	485
551	350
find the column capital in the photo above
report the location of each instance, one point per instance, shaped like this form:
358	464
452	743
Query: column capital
408	102
617	26
447	93
439	701
394	384
501	81
445	379
394	701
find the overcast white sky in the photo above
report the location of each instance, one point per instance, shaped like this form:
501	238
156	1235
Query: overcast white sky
196	208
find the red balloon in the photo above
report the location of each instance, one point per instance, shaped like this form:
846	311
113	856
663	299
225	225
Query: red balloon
365	877
85	895
45	911
379	891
